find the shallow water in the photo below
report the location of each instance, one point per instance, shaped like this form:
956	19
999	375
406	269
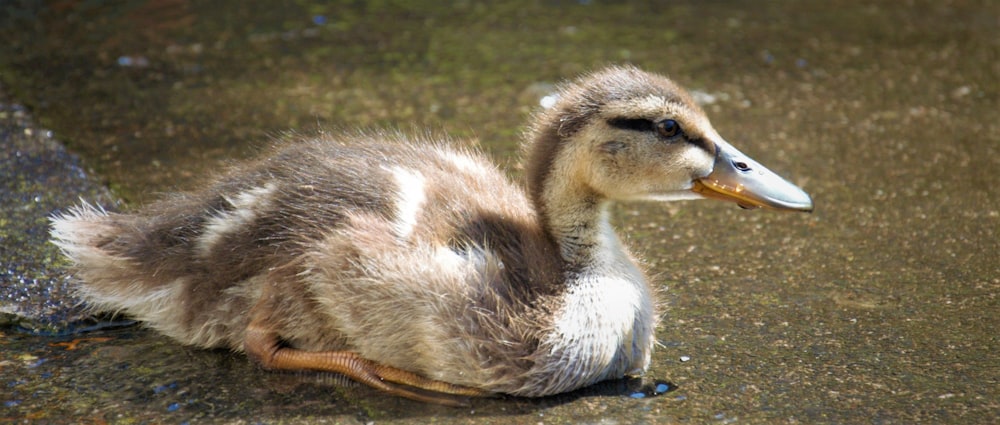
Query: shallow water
880	307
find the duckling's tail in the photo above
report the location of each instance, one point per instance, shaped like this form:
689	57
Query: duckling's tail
110	278
108	282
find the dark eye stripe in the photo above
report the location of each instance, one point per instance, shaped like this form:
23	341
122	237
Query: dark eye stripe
635	124
642	124
704	144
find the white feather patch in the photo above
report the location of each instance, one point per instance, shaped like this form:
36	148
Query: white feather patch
246	205
464	163
411	198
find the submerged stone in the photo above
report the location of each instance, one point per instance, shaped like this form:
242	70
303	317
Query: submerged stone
38	177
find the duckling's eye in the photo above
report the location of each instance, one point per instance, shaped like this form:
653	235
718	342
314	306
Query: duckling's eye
668	128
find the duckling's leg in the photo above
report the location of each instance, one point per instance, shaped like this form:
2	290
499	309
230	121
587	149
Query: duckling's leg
263	346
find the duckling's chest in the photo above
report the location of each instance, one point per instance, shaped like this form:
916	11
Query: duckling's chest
604	328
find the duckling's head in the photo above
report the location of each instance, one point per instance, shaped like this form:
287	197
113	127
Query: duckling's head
625	134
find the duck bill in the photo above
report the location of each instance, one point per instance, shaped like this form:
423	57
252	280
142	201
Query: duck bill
737	178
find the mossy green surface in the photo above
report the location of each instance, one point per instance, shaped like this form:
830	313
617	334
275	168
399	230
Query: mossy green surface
38	178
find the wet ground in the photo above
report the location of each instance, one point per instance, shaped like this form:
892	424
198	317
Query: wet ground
880	307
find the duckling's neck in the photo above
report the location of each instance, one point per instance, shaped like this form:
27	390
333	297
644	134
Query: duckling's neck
573	213
578	221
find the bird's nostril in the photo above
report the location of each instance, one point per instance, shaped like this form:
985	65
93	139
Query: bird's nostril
742	166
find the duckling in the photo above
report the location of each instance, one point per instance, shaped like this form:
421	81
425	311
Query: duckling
416	266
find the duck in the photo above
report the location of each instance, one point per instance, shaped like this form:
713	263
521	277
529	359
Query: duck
416	266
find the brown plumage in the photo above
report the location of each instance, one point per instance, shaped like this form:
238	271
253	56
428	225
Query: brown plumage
415	262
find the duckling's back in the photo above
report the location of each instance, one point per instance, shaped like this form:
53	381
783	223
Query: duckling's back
318	212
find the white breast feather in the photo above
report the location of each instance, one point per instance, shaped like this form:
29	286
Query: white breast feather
595	335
